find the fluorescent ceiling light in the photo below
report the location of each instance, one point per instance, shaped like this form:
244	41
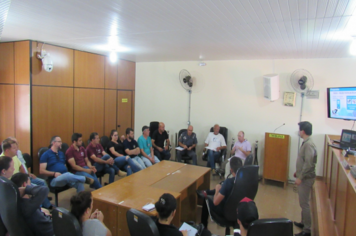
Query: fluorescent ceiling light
113	57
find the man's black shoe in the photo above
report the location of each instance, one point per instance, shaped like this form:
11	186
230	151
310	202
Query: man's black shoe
299	225
201	194
302	234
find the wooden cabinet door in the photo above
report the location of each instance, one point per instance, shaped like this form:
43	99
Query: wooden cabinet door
124	111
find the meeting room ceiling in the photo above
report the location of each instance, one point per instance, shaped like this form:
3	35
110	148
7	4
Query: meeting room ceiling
188	30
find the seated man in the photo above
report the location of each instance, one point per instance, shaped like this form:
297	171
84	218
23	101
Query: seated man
39	220
52	164
215	142
78	160
145	144
241	149
188	141
246	214
220	193
159	136
132	149
34	180
100	159
10	148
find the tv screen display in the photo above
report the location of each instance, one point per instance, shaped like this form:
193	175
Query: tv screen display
342	103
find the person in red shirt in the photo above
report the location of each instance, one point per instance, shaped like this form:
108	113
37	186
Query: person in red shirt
79	163
100	159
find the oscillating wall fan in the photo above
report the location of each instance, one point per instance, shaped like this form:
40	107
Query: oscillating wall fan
186	81
302	82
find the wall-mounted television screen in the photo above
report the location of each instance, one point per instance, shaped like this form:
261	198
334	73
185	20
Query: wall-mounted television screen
342	103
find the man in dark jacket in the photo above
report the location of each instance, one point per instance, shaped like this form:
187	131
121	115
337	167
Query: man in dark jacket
38	220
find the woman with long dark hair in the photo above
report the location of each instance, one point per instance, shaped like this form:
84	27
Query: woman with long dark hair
117	151
91	223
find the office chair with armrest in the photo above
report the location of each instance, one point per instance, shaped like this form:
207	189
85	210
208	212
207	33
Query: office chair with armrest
28	160
10	210
54	190
64	148
141	224
246	185
249	160
153	127
224	132
185	158
3	229
64	223
271	227
104	141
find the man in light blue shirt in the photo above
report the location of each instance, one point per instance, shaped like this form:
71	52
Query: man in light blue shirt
145	144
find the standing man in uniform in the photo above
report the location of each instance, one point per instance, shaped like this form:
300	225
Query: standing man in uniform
188	141
305	175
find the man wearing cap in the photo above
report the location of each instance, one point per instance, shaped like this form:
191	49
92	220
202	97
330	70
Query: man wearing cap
220	194
145	144
305	175
246	214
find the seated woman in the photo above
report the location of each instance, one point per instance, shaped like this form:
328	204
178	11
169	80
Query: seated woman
6	167
91	223
116	151
166	209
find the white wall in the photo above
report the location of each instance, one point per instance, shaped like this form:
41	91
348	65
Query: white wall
230	93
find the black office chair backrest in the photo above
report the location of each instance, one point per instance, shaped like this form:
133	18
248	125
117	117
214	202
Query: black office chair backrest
180	132
65	224
28	159
249	160
41	151
223	131
64	148
3	229
104	141
10	210
153	127
246	185
141	224
271	227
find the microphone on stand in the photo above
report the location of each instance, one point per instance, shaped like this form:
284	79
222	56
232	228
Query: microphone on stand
278	127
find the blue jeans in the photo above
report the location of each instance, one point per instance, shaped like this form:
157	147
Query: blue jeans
212	157
112	170
138	161
164	155
70	179
41	182
96	183
129	165
147	162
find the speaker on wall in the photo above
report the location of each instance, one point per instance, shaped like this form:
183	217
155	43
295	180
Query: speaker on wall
271	87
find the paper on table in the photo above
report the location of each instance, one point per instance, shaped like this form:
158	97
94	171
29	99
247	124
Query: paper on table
191	230
179	148
149	207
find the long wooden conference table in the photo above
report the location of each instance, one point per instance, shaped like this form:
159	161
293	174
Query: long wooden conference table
146	186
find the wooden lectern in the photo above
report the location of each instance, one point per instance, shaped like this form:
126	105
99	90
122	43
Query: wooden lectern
276	161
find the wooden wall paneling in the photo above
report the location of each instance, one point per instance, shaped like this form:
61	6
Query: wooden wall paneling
124	111
341	200
110	74
22	117
88	112
333	183
22	62
350	214
126	75
89	70
52	114
7	74
110	111
7	111
62	74
133	110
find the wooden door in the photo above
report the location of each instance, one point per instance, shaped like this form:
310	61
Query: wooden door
124	111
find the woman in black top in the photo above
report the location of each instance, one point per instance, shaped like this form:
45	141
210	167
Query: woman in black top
116	151
166	208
